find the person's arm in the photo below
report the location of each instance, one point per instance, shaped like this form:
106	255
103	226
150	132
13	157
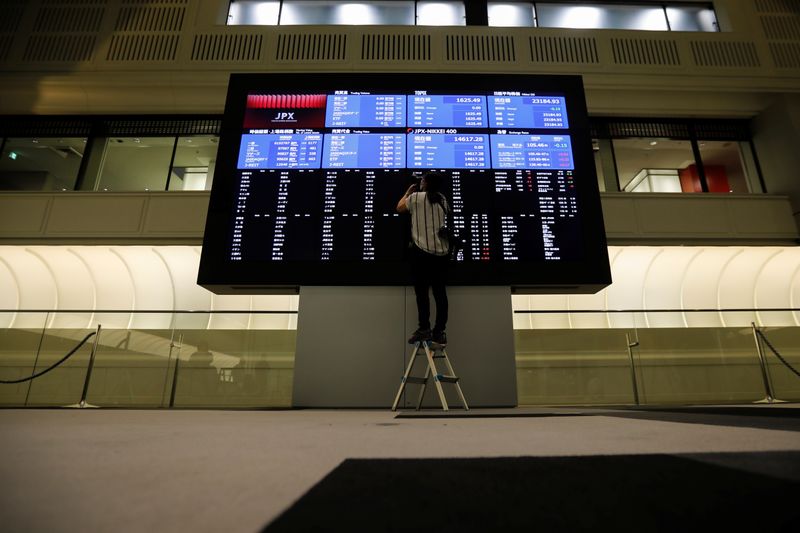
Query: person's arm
402	205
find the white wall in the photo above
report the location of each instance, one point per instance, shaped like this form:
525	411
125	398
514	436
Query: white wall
681	278
93	279
126	279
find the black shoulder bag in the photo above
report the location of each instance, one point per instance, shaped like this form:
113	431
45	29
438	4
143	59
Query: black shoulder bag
448	233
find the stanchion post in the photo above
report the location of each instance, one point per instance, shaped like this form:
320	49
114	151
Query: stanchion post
166	371
36	359
763	364
85	392
630	345
175	375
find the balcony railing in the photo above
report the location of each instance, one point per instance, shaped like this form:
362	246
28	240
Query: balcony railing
172	360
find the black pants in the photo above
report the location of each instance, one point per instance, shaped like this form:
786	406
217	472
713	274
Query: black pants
430	272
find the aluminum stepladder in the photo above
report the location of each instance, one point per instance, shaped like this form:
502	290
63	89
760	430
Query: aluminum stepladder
431	351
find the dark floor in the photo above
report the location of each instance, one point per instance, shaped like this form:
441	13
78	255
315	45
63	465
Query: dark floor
570	469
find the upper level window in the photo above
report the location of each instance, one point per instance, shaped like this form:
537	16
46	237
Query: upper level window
441	14
346	12
511	14
594	15
667	165
676	156
135	163
254	12
156	154
652	16
193	163
692	18
40	164
653	164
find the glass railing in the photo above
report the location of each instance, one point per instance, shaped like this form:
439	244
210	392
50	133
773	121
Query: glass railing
245	359
586	357
220	359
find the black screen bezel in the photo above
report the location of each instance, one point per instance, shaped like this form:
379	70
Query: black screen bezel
223	276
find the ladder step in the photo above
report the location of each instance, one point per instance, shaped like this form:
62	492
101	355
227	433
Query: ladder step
431	351
436	355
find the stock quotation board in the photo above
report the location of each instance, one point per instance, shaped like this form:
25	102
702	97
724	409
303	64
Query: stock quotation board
311	168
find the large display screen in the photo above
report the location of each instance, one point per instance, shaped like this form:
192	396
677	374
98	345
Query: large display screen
311	167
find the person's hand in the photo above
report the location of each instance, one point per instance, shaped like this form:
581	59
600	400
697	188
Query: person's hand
411	189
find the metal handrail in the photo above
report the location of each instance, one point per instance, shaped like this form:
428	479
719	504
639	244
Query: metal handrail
723	310
294	312
153	311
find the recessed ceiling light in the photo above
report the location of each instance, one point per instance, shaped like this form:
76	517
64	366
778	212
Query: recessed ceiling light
653	143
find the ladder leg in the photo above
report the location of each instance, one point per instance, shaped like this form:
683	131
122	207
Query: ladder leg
436	381
422	389
405	377
458	385
461	395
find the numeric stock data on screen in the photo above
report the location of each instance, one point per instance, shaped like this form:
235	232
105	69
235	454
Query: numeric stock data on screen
319	174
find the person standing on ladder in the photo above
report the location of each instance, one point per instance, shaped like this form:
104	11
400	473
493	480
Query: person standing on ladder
429	252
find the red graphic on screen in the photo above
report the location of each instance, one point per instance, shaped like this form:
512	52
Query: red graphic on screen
285	111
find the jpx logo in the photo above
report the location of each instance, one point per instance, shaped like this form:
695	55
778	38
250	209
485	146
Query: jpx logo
284	116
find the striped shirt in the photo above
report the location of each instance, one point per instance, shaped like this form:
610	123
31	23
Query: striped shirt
426	220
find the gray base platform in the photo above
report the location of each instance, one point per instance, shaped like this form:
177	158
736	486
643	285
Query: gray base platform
351	346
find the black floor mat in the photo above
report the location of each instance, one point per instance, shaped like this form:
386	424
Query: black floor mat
478	414
737	410
598	493
762	417
778	418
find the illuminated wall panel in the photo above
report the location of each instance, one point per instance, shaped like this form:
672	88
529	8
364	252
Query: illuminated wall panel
131	278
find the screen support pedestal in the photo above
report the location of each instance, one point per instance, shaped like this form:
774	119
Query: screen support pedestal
352	351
